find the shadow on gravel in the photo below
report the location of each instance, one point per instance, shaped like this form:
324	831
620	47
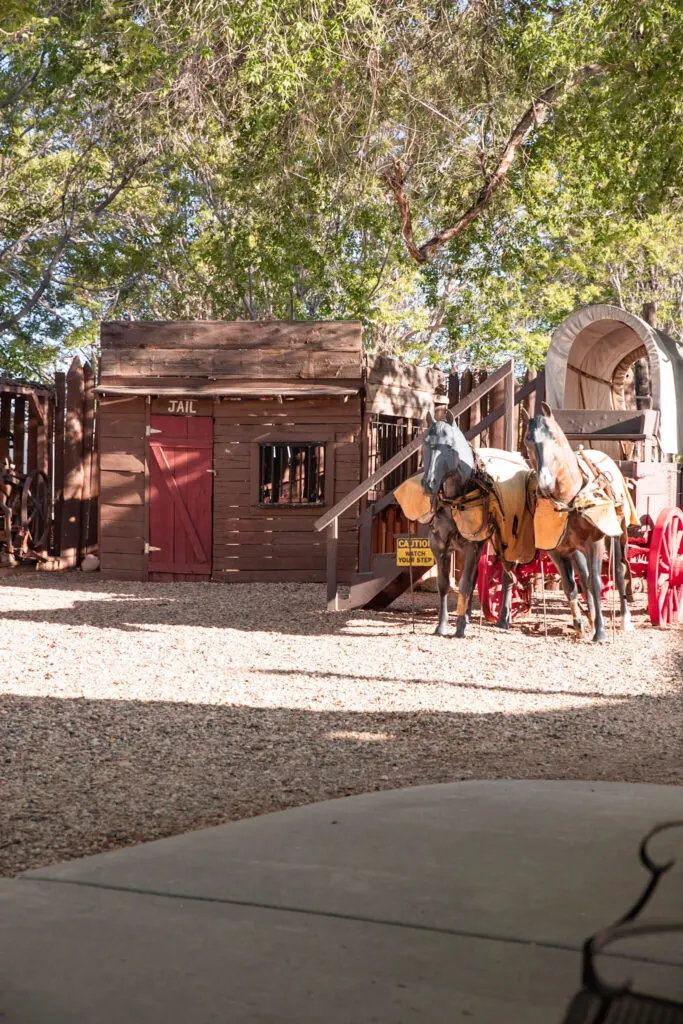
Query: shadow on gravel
222	606
81	776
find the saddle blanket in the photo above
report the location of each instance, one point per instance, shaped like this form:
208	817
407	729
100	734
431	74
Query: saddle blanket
604	499
499	509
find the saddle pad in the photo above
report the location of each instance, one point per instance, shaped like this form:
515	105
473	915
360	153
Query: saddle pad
510	479
549	524
604	516
473	521
597	467
415	504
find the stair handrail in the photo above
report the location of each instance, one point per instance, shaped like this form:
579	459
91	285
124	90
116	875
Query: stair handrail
505	372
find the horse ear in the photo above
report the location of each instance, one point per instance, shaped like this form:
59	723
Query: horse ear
449	417
430	419
524	416
545	409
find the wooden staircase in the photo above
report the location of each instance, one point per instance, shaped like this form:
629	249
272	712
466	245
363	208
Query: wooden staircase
379	580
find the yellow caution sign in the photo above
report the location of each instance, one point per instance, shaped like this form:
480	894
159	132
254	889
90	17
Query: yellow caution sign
412	550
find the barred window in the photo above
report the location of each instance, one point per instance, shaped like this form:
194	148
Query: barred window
292	474
388	434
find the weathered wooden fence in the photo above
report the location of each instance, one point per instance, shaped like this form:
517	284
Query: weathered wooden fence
52	428
486	415
76	477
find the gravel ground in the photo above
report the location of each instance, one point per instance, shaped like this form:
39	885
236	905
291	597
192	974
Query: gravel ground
133	711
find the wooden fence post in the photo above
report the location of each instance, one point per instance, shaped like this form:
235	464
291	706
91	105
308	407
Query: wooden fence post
509	414
19	433
475	411
466	385
73	465
87	538
58	414
497	429
5	425
453	388
332	545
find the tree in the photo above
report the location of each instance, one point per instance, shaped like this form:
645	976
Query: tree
168	158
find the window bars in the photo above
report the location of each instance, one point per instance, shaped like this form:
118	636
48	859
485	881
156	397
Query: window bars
291	474
388	435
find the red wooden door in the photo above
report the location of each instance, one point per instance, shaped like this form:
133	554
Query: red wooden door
181	490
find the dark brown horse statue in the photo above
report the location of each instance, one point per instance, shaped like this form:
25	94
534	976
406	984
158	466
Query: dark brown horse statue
582	544
448	469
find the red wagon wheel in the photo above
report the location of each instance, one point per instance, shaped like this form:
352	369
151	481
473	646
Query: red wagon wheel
665	569
490	586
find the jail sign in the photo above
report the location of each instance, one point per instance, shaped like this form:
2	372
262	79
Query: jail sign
411	550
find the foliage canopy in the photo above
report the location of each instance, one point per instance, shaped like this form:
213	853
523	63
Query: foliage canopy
216	159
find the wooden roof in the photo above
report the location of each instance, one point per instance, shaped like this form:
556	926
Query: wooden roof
256	389
269	350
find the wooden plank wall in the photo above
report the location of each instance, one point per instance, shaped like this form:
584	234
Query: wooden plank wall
254	543
394	388
121	432
261	350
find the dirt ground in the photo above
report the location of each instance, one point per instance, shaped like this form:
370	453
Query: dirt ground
134	711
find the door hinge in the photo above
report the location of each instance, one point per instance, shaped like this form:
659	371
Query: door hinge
152	430
214	471
150	547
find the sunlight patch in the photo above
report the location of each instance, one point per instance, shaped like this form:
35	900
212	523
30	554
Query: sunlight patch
363	737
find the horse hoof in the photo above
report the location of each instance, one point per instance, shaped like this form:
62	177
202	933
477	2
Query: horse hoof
460	630
579	629
627	625
505	624
442	631
600	638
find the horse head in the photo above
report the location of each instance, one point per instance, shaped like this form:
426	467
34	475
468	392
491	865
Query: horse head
551	456
447	457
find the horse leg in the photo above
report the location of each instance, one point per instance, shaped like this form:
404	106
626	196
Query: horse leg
596	586
581	563
571	590
470	561
620	583
505	615
443	561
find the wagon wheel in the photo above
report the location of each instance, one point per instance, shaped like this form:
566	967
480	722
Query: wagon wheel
35	509
490	586
665	569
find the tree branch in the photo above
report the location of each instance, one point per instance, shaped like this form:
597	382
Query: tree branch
65	237
534	116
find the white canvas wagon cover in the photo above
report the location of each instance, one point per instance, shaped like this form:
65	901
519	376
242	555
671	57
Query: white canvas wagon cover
589	347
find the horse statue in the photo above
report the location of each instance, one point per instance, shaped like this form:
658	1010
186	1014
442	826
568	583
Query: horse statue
582	499
469	499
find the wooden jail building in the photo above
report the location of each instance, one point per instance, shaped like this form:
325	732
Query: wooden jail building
221	443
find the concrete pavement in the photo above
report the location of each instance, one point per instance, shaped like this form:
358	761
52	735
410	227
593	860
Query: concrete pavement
465	901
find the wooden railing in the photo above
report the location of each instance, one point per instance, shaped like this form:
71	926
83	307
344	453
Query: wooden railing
330	520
